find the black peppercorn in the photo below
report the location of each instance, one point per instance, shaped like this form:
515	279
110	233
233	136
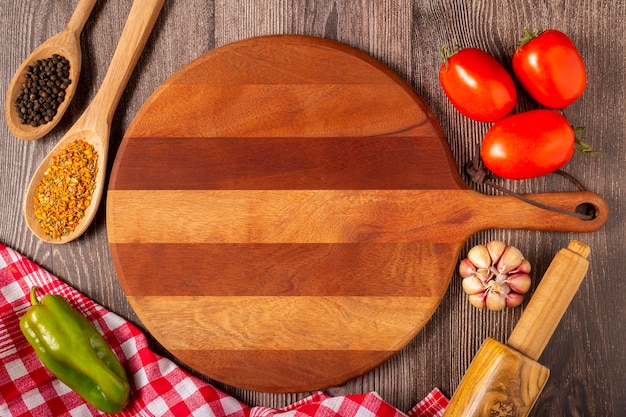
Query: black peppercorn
43	90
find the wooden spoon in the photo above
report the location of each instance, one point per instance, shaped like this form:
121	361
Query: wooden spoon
95	123
65	43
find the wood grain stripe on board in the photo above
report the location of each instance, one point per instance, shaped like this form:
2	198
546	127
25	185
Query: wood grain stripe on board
292	163
284	323
299	370
365	269
287	216
309	110
273	60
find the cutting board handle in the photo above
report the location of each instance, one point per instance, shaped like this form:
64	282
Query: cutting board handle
512	213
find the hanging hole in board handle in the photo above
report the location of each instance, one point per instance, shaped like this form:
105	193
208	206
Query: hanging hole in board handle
588	210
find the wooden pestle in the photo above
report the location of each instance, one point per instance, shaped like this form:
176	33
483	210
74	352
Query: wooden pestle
506	380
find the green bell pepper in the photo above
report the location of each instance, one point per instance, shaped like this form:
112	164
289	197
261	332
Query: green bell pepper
72	350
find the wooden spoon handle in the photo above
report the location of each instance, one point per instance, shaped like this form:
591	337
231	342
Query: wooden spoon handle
141	19
79	17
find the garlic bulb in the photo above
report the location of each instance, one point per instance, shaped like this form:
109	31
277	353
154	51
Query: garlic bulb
495	275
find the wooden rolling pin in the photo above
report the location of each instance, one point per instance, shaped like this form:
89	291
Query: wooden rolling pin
506	380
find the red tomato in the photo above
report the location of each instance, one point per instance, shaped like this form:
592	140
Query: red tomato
551	69
477	85
529	144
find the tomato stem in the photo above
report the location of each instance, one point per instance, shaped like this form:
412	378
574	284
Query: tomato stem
445	53
582	146
528	36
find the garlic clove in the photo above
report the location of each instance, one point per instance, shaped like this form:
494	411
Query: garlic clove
484	274
477	300
514	299
510	260
519	282
473	285
467	268
495	300
523	267
479	256
496	249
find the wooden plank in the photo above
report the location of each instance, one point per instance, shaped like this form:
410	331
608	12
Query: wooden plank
284	323
287	163
253	111
286	216
235	365
370	269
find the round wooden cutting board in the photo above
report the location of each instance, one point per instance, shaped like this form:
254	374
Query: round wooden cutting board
284	214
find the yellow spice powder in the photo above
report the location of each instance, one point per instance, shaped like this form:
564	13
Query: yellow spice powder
66	189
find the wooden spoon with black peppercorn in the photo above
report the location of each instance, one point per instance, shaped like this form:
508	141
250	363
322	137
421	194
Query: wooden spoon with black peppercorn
94	125
45	83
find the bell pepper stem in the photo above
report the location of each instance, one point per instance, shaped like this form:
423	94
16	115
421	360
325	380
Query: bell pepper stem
33	296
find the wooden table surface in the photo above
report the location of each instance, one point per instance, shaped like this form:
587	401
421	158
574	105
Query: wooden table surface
586	354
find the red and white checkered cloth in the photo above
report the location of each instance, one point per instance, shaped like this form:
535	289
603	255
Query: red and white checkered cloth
159	387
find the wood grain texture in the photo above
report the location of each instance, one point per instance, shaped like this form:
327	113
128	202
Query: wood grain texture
373	273
587	366
284	323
